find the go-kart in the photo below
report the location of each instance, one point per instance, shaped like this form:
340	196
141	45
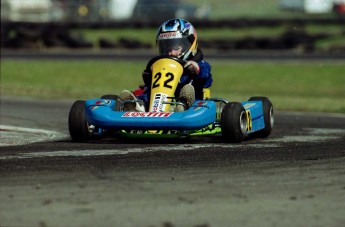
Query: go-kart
234	121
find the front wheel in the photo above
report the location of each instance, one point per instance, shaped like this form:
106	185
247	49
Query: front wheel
234	122
268	113
77	124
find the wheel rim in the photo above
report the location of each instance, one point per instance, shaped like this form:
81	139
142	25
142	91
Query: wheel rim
271	117
90	128
243	122
220	107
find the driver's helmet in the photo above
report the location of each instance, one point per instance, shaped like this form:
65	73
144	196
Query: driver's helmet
177	32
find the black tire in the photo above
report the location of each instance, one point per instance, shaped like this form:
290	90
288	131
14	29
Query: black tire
233	122
113	97
77	125
268	112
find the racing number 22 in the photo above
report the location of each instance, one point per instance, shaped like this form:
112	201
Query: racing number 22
168	78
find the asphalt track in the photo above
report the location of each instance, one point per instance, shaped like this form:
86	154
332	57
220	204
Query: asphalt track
126	54
296	177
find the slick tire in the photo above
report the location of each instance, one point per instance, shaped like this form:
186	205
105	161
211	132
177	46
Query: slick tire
77	125
268	113
233	122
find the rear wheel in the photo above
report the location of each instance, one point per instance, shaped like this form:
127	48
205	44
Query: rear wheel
268	113
77	124
233	122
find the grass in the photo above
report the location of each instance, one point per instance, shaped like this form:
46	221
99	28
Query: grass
307	86
290	86
254	8
67	79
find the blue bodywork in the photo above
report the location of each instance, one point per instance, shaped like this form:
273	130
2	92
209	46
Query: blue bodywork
255	115
101	113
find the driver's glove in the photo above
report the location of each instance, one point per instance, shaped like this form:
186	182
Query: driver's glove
192	68
146	75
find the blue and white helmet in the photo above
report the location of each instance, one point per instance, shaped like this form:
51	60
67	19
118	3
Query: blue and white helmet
177	32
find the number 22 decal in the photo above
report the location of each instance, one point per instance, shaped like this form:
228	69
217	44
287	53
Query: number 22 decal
168	78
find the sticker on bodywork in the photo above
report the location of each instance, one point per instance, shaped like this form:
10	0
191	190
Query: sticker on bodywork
148	114
103	102
199	105
249	105
158	100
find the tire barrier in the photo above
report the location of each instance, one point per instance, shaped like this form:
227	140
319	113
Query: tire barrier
19	35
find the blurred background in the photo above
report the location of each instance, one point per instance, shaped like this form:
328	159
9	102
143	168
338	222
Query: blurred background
148	10
299	25
292	51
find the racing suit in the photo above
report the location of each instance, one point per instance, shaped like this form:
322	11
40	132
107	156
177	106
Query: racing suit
202	80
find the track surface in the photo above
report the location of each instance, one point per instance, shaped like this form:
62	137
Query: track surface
294	178
148	54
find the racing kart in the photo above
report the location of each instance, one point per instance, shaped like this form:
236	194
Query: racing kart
234	121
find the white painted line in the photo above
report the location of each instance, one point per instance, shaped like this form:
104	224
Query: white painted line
90	153
312	135
17	135
11	135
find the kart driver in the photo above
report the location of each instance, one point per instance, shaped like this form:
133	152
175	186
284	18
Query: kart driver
178	38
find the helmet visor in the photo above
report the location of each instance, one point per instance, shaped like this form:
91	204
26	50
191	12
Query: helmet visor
175	47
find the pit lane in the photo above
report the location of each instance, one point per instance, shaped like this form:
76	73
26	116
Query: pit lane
294	177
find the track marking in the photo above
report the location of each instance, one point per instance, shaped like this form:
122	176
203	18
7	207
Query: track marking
312	135
12	135
110	152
